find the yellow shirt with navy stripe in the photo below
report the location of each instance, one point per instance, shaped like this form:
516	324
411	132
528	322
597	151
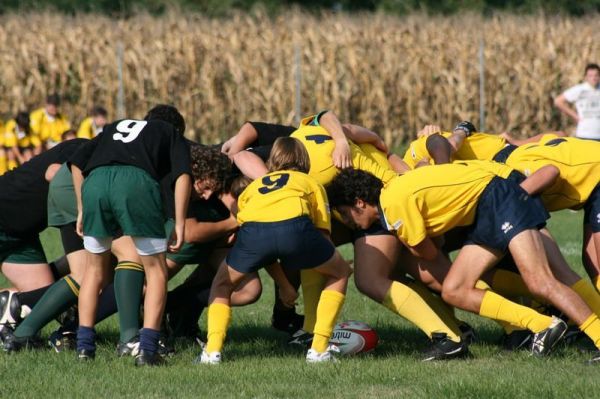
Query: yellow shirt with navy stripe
48	128
482	146
577	160
87	129
431	200
284	195
320	145
14	136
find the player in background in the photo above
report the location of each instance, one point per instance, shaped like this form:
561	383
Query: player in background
91	126
280	216
19	140
47	123
129	158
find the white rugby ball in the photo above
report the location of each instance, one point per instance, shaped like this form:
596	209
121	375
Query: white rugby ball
352	337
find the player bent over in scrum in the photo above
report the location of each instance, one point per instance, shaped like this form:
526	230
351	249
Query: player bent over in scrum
280	215
422	205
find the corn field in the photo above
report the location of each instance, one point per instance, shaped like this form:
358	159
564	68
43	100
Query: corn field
389	73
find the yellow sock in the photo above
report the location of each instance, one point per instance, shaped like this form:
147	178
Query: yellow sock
436	302
588	293
496	307
312	285
2	164
219	317
509	284
506	326
406	302
596	282
591	327
329	307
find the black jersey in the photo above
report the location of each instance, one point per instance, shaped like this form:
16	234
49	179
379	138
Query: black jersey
154	146
24	191
269	132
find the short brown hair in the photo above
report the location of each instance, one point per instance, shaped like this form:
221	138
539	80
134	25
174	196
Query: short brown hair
208	163
288	153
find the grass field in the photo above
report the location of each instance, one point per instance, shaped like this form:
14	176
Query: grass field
258	364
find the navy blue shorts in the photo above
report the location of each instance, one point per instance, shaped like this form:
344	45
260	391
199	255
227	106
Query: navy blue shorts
591	216
502	155
296	243
376	229
505	210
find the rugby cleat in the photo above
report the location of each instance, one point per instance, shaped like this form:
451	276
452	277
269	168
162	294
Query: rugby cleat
14	344
467	333
595	360
312	356
516	340
287	321
443	348
62	339
208	358
301	338
144	358
10	309
129	348
84	355
544	342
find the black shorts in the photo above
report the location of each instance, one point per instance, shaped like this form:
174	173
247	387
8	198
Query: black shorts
591	216
505	210
296	243
502	155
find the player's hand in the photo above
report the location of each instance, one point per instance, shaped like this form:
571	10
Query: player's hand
288	296
176	240
79	224
227	146
342	158
428	130
381	146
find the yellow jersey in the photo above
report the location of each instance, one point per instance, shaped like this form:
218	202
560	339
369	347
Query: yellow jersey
284	195
15	136
431	200
577	160
482	146
320	145
87	129
46	127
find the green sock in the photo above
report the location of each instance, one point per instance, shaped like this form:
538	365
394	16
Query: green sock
58	298
129	283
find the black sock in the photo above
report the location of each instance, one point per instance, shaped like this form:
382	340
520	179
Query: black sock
107	303
30	298
60	267
185	305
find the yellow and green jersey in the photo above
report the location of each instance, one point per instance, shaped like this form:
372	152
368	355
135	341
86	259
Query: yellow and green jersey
481	146
320	145
46	127
431	200
284	195
577	160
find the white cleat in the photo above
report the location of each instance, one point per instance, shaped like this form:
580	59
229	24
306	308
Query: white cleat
209	358
312	356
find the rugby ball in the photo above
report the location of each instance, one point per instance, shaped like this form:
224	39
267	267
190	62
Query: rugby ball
352	337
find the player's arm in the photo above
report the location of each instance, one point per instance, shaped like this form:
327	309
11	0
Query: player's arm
341	155
398	164
563	105
242	140
515	141
426	249
250	164
196	231
428	130
439	149
287	292
183	189
362	135
541	179
51	171
77	182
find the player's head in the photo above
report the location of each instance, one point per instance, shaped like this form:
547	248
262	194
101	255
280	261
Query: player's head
169	114
22	120
68	135
210	169
237	185
99	115
52	104
355	194
288	153
592	74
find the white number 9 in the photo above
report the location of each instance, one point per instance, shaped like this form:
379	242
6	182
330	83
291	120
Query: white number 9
129	130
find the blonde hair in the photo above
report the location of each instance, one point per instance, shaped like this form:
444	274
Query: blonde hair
288	153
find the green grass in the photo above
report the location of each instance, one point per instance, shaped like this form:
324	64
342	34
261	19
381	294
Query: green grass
259	364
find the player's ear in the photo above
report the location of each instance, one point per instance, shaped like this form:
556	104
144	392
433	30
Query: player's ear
358	203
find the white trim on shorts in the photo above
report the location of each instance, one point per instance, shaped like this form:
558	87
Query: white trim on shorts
97	245
150	246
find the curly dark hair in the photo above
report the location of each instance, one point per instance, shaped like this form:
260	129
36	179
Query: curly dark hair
209	163
352	184
169	114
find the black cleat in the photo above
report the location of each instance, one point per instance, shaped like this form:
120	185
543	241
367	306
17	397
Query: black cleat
129	348
301	338
12	343
165	348
516	340
62	339
544	341
144	358
443	348
287	321
10	310
84	355
467	333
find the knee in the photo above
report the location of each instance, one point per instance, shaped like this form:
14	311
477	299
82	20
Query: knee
452	293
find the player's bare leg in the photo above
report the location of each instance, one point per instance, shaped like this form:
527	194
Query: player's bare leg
27	277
